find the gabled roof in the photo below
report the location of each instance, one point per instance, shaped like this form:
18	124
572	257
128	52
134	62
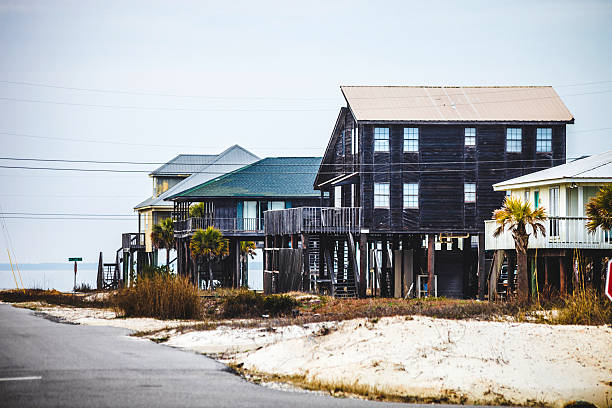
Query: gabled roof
456	104
183	164
325	174
596	168
229	160
273	177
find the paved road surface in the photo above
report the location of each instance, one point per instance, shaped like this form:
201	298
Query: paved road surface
88	366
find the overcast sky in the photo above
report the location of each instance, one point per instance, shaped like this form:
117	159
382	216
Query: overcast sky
197	77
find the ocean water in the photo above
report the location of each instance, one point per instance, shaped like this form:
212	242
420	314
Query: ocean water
48	276
61	276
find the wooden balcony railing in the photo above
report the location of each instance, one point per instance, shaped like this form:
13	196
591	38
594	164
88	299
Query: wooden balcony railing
561	232
233	225
133	240
312	220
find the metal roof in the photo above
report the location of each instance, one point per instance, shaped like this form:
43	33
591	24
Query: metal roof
229	160
456	104
271	177
596	168
183	164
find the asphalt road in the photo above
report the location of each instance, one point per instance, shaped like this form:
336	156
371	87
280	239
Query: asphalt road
49	364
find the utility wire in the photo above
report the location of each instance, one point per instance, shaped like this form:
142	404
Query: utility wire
272	172
185	109
144	144
174	95
272	165
71	214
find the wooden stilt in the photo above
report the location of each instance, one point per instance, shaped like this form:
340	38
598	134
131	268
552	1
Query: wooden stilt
431	258
363	264
482	271
562	274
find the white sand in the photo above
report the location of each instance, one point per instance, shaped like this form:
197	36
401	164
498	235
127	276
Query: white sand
522	363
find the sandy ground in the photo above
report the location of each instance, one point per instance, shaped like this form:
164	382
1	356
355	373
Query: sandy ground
473	361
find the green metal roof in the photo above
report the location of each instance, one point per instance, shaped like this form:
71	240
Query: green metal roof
270	177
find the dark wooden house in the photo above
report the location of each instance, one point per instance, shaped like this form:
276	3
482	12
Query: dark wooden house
416	165
235	204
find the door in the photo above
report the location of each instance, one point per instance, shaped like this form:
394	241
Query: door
250	215
554	211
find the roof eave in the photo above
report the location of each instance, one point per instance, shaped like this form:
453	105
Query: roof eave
547	182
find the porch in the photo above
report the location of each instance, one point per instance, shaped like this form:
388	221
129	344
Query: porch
313	220
248	227
561	233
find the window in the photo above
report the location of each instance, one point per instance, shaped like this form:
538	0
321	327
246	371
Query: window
527	195
381	195
381	139
411	195
536	199
543	140
356	140
469	192
411	139
513	140
470	136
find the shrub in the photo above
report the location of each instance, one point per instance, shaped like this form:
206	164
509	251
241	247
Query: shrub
162	296
585	307
245	303
52	297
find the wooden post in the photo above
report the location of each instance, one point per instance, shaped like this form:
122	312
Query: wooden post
237	262
545	272
306	262
363	264
294	241
482	272
431	259
340	277
383	269
562	278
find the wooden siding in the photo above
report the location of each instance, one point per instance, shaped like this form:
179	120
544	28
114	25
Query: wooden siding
441	167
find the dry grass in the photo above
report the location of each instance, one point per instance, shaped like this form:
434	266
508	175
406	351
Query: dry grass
370	392
161	296
585	307
52	297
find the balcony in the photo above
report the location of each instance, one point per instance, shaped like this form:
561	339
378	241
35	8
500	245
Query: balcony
133	240
229	226
313	220
561	233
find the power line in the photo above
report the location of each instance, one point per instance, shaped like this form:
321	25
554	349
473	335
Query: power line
64	218
270	165
279	172
71	214
157	108
144	144
185	109
148	93
259	97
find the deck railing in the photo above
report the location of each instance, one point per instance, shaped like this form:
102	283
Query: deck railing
233	225
312	220
133	240
561	232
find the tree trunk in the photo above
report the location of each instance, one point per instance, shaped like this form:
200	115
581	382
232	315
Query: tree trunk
521	241
210	275
167	259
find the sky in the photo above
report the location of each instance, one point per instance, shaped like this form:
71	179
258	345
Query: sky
142	81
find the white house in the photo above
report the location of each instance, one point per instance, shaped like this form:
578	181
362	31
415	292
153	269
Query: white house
563	191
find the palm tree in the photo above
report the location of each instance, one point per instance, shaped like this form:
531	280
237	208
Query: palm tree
599	210
210	245
247	249
515	215
198	210
162	236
